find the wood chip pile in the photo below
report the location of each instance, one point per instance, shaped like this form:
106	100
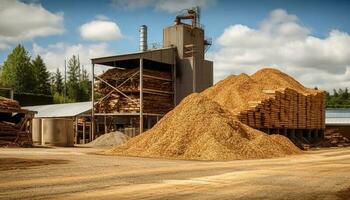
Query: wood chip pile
157	91
209	125
270	99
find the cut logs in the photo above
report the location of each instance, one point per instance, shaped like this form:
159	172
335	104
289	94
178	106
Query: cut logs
121	87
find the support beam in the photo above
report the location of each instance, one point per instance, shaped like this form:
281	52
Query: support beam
141	95
76	130
105	119
174	80
84	132
116	89
92	103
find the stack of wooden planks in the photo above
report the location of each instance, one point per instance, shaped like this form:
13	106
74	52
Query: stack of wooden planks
286	109
8	131
157	89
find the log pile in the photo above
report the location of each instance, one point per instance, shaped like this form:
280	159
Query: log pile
286	109
6	103
11	133
157	89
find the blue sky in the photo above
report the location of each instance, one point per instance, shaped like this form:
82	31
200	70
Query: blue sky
319	17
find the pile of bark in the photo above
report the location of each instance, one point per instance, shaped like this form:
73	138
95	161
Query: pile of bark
157	89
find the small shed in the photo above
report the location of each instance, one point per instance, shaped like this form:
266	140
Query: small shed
78	113
338	119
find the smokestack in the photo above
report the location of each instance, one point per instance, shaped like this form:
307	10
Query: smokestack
143	38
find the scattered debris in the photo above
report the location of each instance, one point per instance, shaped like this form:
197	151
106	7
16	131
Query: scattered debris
334	139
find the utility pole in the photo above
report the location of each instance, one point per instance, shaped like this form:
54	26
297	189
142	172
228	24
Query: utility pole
65	82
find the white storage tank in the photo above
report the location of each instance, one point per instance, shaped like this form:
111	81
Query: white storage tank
57	132
36	131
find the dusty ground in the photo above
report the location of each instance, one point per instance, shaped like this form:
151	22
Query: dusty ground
75	173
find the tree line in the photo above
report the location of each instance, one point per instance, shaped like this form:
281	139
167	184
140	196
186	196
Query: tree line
32	76
339	99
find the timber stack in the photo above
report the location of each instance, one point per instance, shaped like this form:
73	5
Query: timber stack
15	123
120	89
286	109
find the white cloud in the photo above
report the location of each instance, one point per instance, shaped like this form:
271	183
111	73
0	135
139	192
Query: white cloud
162	5
55	54
21	22
100	30
281	41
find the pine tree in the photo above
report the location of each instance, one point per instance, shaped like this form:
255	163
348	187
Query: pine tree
17	71
41	75
58	82
73	89
85	85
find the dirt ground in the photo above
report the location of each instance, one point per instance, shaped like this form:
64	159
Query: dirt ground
77	173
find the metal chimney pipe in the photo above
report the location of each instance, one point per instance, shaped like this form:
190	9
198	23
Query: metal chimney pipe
143	38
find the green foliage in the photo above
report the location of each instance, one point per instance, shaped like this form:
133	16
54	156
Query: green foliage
17	71
59	98
339	99
26	76
56	82
78	84
41	76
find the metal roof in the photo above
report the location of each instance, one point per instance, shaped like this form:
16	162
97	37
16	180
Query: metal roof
61	110
163	55
338	116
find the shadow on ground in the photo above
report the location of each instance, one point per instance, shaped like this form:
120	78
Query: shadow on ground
23	163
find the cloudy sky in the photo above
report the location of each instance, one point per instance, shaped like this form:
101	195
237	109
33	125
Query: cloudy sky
310	40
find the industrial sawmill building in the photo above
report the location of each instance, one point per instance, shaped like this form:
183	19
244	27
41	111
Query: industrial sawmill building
139	88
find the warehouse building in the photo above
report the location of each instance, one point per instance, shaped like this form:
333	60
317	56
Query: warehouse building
338	120
141	87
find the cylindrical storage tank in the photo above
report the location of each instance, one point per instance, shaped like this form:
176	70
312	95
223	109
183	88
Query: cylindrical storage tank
143	38
36	131
58	132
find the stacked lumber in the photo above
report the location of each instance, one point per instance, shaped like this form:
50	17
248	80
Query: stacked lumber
6	103
157	89
286	108
8	131
12	133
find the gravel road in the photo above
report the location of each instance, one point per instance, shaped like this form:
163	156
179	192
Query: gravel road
78	173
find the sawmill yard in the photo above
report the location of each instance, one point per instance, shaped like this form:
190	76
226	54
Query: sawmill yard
78	173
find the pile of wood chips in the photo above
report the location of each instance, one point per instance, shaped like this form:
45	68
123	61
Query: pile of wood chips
209	125
6	103
270	99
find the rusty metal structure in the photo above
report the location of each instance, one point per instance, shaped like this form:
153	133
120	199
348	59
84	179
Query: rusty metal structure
154	76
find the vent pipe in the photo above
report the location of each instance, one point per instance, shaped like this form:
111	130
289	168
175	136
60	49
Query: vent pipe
143	38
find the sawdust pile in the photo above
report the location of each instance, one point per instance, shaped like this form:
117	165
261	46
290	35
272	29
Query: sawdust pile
200	129
236	93
109	139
